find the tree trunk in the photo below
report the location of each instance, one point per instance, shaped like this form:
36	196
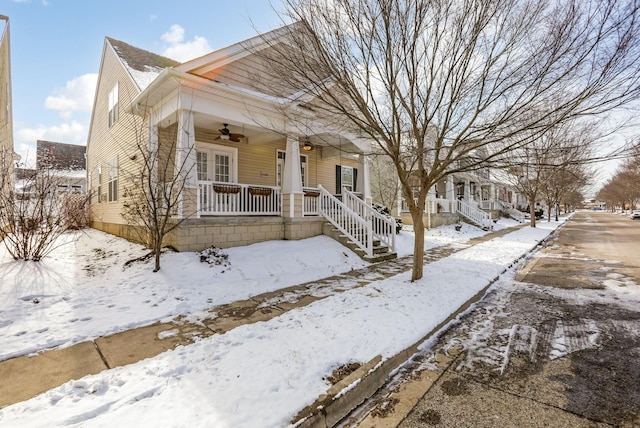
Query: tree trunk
157	249
418	245
532	211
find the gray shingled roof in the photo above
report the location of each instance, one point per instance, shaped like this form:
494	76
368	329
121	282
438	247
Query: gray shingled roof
143	65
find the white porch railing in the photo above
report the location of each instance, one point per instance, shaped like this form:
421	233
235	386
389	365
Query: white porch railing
434	205
515	214
383	227
359	229
475	214
490	205
440	205
310	201
216	198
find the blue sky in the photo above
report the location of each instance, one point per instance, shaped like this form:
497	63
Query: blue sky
56	47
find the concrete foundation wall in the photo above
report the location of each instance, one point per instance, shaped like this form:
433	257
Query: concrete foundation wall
226	232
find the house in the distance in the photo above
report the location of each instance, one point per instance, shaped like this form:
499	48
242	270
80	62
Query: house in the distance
63	165
250	175
66	161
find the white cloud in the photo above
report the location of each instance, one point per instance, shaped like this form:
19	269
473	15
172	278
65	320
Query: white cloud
77	95
180	50
174	36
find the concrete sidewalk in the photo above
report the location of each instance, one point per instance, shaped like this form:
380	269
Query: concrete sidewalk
27	376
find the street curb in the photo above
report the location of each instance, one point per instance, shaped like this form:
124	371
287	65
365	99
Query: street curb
342	398
333	406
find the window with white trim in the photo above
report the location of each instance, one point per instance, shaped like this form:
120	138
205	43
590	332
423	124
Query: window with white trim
222	167
347	180
113	180
202	166
99	184
113	106
281	155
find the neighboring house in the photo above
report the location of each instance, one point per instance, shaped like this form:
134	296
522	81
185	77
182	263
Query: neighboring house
7	154
66	161
479	196
253	175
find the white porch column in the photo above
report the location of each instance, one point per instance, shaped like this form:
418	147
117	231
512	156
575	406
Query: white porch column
450	189
186	149
185	163
362	184
292	180
153	146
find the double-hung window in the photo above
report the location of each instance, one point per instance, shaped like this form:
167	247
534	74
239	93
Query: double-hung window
99	184
113	179
113	106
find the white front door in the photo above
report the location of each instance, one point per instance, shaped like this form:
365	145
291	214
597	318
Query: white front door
217	163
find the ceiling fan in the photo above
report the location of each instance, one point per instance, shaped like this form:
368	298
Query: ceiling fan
226	134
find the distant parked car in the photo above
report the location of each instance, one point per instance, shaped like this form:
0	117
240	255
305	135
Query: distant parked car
635	215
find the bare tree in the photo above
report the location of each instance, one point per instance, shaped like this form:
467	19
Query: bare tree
156	185
384	181
554	164
564	181
448	86
623	188
36	214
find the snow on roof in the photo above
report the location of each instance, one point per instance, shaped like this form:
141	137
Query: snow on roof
144	66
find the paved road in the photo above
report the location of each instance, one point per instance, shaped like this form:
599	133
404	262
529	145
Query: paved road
557	346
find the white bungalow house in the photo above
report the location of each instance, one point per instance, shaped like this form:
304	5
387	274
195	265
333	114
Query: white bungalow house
252	175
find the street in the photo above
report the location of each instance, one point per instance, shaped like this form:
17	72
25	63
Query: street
558	345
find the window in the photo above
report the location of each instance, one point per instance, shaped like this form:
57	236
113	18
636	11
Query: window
201	166
113	179
113	106
222	168
280	168
99	184
345	178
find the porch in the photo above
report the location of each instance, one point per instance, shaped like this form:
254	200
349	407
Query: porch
472	196
238	199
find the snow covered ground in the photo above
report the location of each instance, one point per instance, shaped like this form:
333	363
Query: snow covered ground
257	375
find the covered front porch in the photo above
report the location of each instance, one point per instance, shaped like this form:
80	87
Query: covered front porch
472	195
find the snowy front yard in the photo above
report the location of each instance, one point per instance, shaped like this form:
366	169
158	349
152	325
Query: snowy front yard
84	290
256	375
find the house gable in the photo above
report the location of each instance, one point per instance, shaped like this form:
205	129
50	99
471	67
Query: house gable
142	65
124	72
242	65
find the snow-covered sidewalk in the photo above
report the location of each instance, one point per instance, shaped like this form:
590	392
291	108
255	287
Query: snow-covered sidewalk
261	375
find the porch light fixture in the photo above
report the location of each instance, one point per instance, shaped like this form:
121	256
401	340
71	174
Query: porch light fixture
307	146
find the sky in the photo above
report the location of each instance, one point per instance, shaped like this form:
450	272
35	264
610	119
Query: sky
56	47
255	375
